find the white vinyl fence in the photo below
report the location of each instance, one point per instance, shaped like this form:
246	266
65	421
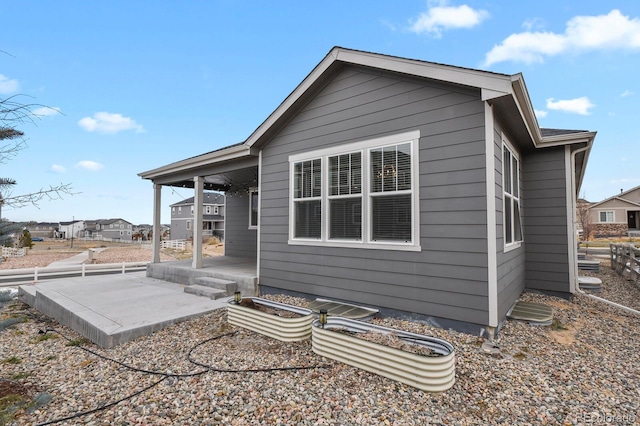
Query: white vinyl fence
13	252
174	244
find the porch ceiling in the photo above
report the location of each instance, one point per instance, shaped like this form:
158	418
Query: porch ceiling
218	177
233	179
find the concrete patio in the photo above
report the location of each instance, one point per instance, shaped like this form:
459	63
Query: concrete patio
112	309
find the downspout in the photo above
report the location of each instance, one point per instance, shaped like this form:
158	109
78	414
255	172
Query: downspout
573	246
259	215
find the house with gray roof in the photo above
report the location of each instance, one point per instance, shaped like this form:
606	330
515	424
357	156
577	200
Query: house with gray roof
109	229
617	216
423	189
182	217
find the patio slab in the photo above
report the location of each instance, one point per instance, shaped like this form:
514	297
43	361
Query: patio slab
112	309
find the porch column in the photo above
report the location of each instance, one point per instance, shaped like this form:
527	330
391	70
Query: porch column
197	221
157	226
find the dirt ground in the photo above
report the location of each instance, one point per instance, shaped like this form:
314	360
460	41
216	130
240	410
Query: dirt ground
45	252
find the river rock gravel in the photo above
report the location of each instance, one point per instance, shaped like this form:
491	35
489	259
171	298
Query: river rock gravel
584	369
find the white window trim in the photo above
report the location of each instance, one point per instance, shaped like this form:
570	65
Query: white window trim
613	216
515	244
412	137
251	192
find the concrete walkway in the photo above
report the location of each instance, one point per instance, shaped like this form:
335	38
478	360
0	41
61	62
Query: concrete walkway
112	309
77	259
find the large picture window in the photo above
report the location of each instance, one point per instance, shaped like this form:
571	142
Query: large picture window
361	194
511	196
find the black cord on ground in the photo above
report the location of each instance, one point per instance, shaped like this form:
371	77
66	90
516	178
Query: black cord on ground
103	407
207	369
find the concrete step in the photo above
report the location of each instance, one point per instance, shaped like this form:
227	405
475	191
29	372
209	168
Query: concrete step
229	287
200	290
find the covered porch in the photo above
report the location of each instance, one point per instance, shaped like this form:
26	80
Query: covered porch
233	171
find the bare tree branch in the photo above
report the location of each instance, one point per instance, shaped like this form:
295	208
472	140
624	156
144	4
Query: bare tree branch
33	198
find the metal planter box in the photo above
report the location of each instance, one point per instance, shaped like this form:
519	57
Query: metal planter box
274	326
427	373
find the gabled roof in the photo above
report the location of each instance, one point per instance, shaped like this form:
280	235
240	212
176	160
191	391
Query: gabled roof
209	198
619	197
507	93
110	221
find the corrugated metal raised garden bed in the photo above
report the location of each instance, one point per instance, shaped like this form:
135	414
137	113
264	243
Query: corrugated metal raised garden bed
424	362
280	321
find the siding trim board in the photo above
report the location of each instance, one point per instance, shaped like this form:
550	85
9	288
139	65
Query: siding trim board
492	238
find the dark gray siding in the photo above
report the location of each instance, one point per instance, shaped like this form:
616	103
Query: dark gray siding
179	217
239	239
511	265
448	278
545	227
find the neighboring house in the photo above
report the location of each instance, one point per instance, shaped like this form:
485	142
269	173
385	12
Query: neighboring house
73	229
212	217
412	186
617	216
42	229
109	229
142	232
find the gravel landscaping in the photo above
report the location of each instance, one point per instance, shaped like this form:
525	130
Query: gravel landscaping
583	369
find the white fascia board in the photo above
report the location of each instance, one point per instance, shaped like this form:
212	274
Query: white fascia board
446	73
566	139
496	84
231	153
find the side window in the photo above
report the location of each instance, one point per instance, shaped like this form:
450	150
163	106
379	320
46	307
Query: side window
253	209
511	196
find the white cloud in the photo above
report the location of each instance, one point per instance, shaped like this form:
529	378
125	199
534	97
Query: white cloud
626	93
107	122
582	33
577	106
441	17
46	111
89	165
540	113
7	85
58	168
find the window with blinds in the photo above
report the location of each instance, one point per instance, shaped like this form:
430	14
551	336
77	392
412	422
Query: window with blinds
307	198
345	196
363	194
391	193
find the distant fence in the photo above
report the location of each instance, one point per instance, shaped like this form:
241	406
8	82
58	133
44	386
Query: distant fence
625	259
33	275
13	252
174	244
110	240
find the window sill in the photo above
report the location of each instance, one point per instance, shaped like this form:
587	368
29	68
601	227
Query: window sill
366	246
512	246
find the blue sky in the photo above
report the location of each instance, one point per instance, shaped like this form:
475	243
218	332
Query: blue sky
140	84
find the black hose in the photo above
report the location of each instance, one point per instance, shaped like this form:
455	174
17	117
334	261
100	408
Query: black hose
207	369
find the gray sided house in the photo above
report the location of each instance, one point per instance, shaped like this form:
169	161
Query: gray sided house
43	229
182	217
407	185
109	229
617	216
